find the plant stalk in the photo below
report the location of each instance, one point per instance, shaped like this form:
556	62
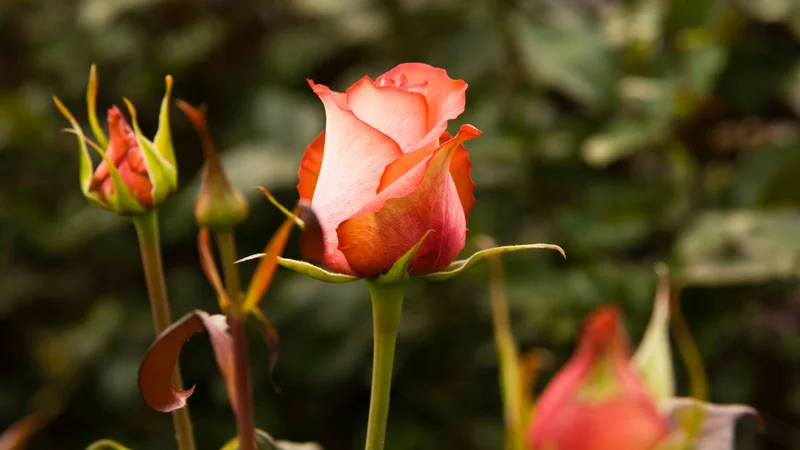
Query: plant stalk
150	247
508	359
245	416
387	305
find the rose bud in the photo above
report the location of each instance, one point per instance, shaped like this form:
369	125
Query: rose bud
135	174
385	172
597	401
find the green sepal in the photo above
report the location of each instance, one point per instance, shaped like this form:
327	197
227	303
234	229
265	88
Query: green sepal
458	267
307	269
91	107
163	137
121	200
162	173
106	444
86	166
266	442
653	358
399	271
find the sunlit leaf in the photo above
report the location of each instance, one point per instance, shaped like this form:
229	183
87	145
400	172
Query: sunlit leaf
159	363
458	267
265	270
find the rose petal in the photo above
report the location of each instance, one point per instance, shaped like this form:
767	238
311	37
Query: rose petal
446	97
158	365
354	158
402	115
310	166
424	199
460	169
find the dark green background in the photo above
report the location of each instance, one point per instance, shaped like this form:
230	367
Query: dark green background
628	132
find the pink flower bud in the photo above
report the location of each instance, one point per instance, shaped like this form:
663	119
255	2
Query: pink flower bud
597	401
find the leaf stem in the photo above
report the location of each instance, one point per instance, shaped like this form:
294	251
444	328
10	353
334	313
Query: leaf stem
387	305
245	416
150	247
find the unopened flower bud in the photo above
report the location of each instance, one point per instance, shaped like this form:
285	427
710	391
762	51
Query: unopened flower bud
219	205
135	174
597	401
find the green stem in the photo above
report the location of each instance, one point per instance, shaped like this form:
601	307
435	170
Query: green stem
508	358
245	416
387	305
150	247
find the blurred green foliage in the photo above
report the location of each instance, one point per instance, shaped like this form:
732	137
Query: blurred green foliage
628	132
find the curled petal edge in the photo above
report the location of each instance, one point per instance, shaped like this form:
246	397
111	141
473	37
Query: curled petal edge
458	267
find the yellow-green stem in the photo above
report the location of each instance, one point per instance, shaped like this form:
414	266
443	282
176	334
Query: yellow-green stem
150	247
387	306
245	415
508	359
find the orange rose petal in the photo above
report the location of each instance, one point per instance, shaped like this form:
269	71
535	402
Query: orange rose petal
374	241
309	168
446	97
402	115
460	170
155	372
402	166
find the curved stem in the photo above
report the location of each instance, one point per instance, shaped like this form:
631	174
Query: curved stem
150	247
245	416
387	305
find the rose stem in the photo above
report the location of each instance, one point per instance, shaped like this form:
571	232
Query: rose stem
508	358
387	305
150	247
245	417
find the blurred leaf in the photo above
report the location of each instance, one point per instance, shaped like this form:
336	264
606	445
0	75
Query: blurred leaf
265	442
576	61
17	435
740	247
719	421
106	444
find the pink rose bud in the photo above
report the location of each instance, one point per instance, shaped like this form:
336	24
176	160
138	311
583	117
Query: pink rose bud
125	153
597	401
384	172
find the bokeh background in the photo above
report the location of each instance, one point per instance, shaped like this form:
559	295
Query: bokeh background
628	132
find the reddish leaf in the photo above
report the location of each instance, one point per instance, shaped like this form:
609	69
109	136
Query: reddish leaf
17	435
158	365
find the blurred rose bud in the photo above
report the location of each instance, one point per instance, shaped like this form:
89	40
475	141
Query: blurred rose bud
219	205
135	173
597	401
